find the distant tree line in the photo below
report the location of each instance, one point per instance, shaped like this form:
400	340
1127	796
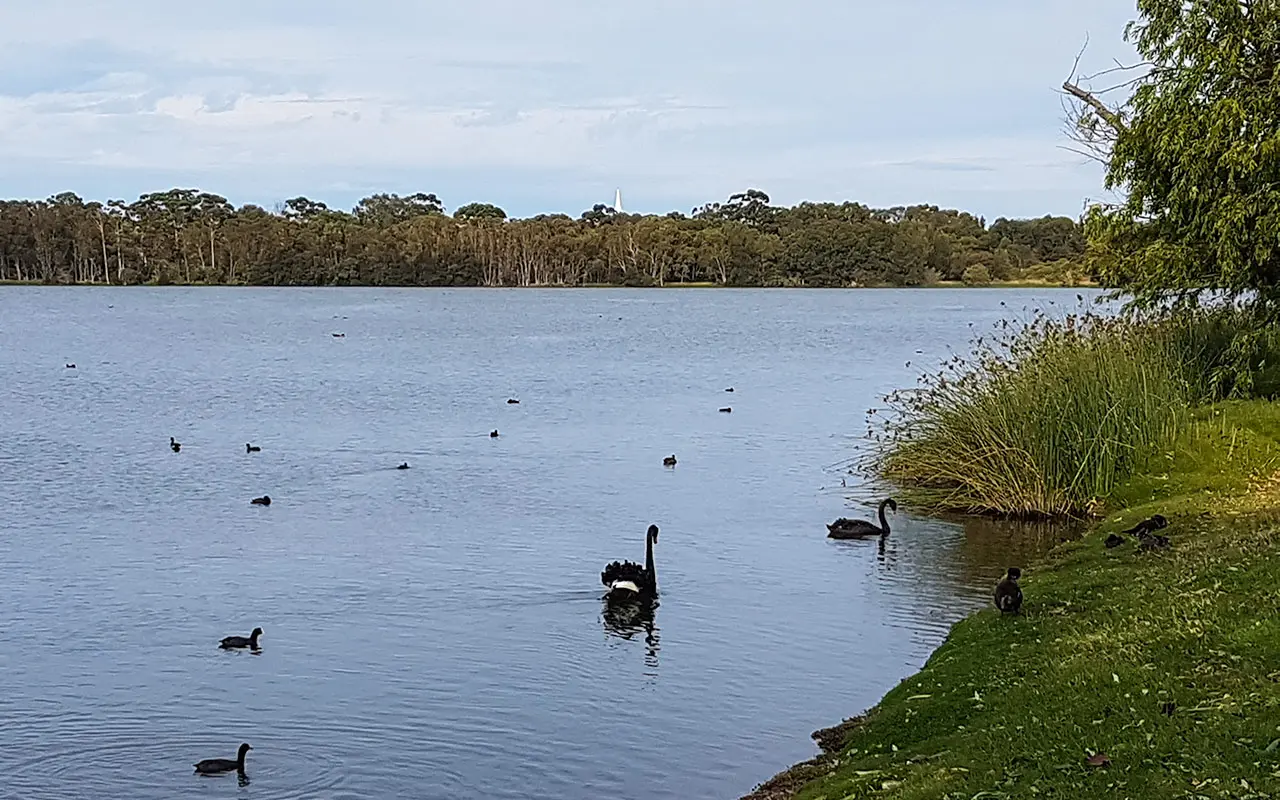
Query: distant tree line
188	236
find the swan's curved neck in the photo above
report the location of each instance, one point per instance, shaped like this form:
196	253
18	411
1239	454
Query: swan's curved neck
648	560
884	523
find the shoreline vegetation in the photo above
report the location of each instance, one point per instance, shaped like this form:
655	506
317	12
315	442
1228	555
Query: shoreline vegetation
190	237
1140	666
1136	668
1132	671
1046	418
1011	284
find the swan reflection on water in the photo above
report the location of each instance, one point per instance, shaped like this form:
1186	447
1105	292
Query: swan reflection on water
626	618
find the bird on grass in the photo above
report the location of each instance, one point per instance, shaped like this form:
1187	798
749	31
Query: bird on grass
1008	597
1147	526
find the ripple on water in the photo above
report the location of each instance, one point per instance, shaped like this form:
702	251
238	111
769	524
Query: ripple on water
104	755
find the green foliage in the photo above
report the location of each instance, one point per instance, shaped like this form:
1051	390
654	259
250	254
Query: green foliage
1049	418
479	211
977	275
1197	153
184	236
1160	660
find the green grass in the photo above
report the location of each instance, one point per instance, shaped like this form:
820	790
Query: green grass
1012	706
1048	419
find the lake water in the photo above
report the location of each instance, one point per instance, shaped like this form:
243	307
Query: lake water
438	632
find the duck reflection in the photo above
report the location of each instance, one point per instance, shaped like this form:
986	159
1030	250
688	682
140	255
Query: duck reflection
242	779
626	618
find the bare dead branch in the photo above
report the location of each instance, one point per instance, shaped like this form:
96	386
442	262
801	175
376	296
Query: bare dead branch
1112	118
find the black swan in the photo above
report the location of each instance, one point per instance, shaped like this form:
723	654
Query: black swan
265	500
1008	593
215	766
229	642
628	580
71	366
404	465
174	445
493	434
845	528
726	410
669	461
730	389
513	402
1148	526
248	448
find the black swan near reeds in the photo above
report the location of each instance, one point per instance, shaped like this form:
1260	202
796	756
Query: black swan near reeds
229	642
669	461
174	445
1008	597
216	766
845	528
265	500
249	448
627	580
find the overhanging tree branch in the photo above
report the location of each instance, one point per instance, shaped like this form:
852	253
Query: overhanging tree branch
1105	113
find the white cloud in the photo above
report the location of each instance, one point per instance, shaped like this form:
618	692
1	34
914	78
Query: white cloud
531	104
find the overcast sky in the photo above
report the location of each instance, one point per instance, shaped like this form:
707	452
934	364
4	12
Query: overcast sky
548	105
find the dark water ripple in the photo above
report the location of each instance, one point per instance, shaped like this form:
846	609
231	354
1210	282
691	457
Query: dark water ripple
437	632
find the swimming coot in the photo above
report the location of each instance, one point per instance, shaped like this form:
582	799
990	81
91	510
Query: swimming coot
229	642
217	766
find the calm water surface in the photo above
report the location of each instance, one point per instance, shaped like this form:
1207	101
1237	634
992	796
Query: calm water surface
438	632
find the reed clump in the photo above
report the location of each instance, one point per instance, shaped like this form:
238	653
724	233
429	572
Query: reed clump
1046	417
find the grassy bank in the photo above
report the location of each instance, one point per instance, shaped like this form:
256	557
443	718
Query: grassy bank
1166	661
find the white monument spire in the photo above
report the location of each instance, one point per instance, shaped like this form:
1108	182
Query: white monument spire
617	201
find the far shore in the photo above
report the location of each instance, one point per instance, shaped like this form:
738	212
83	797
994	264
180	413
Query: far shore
1018	284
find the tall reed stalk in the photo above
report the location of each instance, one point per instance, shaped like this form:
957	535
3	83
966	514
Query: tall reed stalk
1046	418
